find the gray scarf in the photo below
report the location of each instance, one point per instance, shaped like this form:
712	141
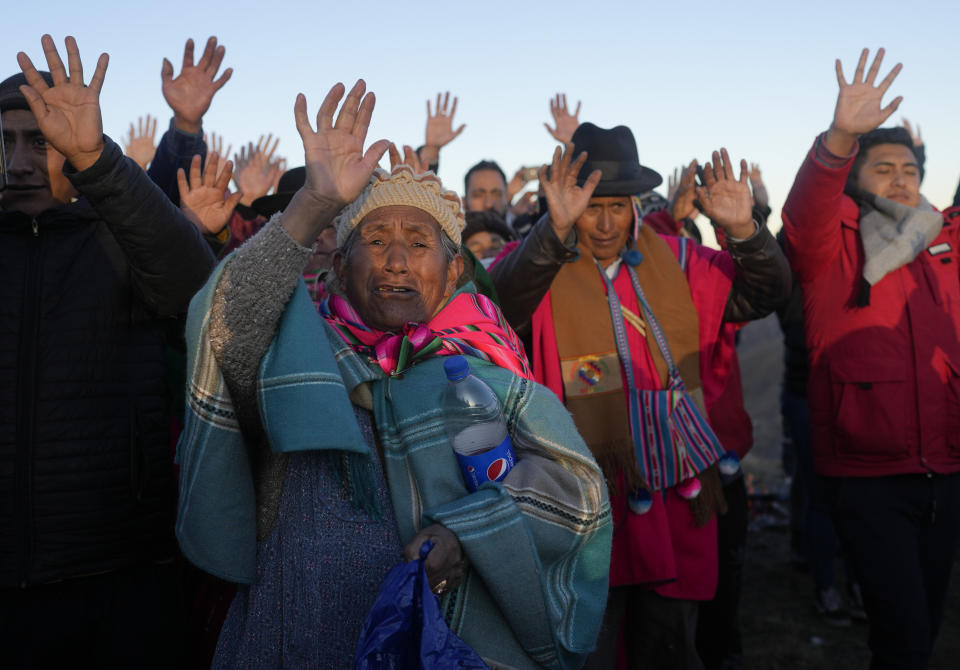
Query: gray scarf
892	234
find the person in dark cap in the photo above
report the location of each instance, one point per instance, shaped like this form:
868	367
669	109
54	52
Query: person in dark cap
881	300
94	262
623	326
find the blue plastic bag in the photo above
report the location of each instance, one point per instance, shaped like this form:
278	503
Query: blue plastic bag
404	629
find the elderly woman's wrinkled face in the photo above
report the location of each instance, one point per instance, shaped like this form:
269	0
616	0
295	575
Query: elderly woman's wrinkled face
397	270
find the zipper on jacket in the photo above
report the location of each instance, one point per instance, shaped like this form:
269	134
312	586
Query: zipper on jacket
27	361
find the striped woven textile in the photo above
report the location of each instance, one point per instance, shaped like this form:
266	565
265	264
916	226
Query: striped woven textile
470	324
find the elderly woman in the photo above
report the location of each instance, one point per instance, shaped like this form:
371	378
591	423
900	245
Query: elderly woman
315	459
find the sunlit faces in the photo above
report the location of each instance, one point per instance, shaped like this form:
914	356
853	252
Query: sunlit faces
603	229
891	171
486	190
396	271
30	164
484	244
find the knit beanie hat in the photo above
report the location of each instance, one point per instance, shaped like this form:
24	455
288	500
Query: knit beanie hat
402	186
10	95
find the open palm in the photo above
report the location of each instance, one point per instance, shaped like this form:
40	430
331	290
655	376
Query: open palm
440	130
190	93
141	144
859	104
68	113
337	167
566	201
565	122
203	199
724	199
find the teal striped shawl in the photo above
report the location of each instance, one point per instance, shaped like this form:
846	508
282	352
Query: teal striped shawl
538	545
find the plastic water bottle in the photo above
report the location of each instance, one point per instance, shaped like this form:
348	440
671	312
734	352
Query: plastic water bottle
475	426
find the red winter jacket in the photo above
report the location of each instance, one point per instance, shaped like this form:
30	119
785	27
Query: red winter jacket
884	390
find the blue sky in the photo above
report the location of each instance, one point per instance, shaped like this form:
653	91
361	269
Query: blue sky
688	77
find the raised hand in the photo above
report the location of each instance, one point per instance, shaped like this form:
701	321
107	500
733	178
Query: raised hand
757	186
214	143
190	93
673	181
141	144
337	166
68	113
525	204
256	170
440	130
203	200
410	157
516	184
566	201
565	122
859	103
682	203
915	136
725	199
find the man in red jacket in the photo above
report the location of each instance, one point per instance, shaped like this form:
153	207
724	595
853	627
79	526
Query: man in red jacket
879	271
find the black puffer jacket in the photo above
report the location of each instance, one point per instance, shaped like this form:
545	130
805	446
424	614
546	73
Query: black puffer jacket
86	480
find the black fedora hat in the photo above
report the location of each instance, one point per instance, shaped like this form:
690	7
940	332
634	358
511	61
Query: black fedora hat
290	182
614	153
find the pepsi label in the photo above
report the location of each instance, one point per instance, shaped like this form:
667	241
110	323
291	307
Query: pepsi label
488	466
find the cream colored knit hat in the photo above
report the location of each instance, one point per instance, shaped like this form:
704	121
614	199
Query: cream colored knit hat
402	186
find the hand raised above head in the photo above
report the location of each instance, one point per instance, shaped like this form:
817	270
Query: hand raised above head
256	170
68	113
859	103
566	202
726	199
915	133
337	166
190	93
214	143
682	205
410	157
203	199
759	189
141	144
565	122
440	130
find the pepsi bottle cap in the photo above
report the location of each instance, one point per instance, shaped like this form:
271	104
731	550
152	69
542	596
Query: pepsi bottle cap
456	368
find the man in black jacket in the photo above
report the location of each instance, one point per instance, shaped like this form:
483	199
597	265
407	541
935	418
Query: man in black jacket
86	479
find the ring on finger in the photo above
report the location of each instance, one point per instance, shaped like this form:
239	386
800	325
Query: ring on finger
440	587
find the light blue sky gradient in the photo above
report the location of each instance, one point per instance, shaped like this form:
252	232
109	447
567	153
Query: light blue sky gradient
756	77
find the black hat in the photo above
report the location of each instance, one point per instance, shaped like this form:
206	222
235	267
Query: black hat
290	182
10	95
614	153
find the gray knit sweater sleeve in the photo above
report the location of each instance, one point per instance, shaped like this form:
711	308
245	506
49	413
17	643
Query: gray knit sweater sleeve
252	294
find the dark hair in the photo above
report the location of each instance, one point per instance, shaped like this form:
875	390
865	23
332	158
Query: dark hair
873	138
482	165
486	221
